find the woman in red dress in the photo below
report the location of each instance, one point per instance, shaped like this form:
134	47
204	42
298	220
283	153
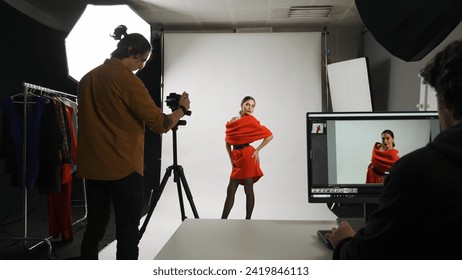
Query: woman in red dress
245	160
384	155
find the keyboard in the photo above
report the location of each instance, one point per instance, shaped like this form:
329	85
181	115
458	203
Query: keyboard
356	224
323	240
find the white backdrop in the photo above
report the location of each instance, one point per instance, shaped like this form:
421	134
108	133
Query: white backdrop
282	71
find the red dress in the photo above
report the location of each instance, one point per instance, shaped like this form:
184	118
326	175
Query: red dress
382	161
245	130
59	203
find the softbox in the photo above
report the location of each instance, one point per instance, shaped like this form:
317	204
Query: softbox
89	43
410	29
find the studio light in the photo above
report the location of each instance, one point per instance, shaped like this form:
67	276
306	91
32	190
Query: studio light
90	42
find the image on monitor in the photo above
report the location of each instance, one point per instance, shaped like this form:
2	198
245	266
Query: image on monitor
341	146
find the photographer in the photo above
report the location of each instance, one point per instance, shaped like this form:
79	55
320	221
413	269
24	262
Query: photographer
114	108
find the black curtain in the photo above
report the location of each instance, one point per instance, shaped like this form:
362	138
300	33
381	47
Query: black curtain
151	76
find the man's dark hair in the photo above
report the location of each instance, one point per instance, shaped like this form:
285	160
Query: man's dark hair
132	44
444	74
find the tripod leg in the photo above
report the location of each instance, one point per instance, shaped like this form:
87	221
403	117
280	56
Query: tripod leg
187	191
168	172
180	194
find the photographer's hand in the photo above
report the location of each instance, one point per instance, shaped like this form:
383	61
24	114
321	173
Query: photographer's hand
175	116
184	100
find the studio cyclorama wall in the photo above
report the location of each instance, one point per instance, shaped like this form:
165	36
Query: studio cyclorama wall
282	71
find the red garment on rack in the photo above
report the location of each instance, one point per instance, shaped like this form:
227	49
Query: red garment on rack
59	203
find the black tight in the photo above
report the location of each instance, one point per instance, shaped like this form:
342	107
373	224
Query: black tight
230	193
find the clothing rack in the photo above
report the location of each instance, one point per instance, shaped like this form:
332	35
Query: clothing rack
30	89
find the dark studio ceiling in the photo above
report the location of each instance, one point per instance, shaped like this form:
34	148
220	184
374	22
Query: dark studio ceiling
407	29
205	15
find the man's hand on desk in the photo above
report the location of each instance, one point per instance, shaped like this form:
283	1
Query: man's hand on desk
337	234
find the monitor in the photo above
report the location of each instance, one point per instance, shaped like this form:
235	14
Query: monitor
340	146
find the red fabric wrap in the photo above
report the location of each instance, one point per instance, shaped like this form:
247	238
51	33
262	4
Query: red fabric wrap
381	162
245	130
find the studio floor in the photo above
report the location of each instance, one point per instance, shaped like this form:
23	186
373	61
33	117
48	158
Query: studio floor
157	233
13	247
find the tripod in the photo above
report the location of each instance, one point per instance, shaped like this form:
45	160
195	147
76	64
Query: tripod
179	178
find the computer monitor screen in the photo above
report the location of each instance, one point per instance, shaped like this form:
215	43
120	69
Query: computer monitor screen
341	146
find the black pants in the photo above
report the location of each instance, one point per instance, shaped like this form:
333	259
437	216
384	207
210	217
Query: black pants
127	198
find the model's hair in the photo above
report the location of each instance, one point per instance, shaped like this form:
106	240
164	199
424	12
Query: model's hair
244	100
391	134
444	74
130	45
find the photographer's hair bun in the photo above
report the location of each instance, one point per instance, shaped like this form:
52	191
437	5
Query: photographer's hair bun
119	31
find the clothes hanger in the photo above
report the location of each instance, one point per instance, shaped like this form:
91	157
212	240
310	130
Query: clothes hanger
29	94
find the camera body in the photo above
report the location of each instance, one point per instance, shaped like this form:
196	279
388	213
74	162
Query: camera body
173	102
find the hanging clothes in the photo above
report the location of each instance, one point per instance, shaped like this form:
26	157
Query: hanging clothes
49	177
59	203
11	143
50	152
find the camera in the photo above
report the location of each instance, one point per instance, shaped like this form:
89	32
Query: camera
173	102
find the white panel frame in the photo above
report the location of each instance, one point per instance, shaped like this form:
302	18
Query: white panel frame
349	85
427	101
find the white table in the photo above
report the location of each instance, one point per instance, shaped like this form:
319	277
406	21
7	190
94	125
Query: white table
216	239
